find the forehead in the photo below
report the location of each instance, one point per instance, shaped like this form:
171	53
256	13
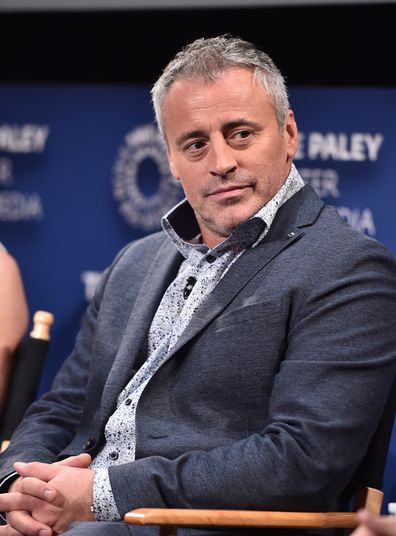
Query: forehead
235	91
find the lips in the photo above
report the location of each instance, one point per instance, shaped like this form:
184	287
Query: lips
228	190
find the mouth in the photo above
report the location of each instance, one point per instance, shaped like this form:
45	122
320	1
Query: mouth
228	191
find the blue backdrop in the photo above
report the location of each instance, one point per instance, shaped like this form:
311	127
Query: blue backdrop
83	172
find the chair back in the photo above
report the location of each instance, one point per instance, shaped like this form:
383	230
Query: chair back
25	375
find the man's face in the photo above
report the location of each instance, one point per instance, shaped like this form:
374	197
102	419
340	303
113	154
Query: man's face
226	148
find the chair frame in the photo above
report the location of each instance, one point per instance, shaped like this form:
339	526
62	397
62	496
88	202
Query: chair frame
169	519
25	375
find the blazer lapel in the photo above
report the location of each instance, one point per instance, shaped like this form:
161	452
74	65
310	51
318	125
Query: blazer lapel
300	210
162	272
251	262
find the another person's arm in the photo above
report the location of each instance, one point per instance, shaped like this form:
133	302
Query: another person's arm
13	315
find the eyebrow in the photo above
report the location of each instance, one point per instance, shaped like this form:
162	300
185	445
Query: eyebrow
226	127
188	136
241	122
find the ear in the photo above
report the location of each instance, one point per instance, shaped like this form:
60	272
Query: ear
291	134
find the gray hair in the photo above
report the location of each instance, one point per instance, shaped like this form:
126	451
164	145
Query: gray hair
206	58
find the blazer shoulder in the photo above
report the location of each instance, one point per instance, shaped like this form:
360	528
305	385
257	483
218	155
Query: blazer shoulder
142	246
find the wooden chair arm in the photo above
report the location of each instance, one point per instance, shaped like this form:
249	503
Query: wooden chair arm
245	518
370	499
171	518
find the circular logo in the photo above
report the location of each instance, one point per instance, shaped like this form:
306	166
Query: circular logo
143	185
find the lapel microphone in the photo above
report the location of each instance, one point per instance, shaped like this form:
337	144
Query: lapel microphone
189	286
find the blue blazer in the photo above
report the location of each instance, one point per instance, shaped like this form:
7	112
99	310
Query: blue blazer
271	395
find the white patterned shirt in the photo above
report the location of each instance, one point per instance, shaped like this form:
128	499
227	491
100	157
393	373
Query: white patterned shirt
207	266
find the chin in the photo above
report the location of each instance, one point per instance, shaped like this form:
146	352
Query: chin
228	228
241	217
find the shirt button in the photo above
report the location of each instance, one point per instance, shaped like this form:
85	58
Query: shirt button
113	455
89	443
210	259
128	401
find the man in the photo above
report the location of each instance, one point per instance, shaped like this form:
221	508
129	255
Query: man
239	359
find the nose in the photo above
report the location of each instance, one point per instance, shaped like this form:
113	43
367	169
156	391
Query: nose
223	160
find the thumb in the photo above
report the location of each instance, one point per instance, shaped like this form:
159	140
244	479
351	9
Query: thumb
81	461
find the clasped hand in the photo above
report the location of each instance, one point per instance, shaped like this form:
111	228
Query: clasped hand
46	498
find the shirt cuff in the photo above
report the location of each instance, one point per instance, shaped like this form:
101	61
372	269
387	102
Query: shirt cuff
104	505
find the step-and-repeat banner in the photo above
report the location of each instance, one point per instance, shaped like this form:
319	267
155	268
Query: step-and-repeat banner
83	171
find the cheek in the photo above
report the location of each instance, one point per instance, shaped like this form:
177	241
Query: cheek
178	168
190	177
177	164
190	188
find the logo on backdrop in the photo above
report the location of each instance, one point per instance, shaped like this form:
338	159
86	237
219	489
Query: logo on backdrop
17	140
143	185
338	147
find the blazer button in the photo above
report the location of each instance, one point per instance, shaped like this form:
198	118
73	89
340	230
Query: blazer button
89	443
113	455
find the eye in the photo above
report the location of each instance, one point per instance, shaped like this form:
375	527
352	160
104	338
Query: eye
241	135
194	147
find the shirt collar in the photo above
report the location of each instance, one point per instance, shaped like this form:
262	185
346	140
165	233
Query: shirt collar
181	225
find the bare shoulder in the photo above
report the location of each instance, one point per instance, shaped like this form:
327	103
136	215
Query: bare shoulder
9	269
13	304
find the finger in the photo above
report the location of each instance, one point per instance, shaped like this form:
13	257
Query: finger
15	484
6	530
81	461
364	516
362	531
42	511
23	523
43	500
47	471
43	471
383	525
377	525
18	501
37	488
13	501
